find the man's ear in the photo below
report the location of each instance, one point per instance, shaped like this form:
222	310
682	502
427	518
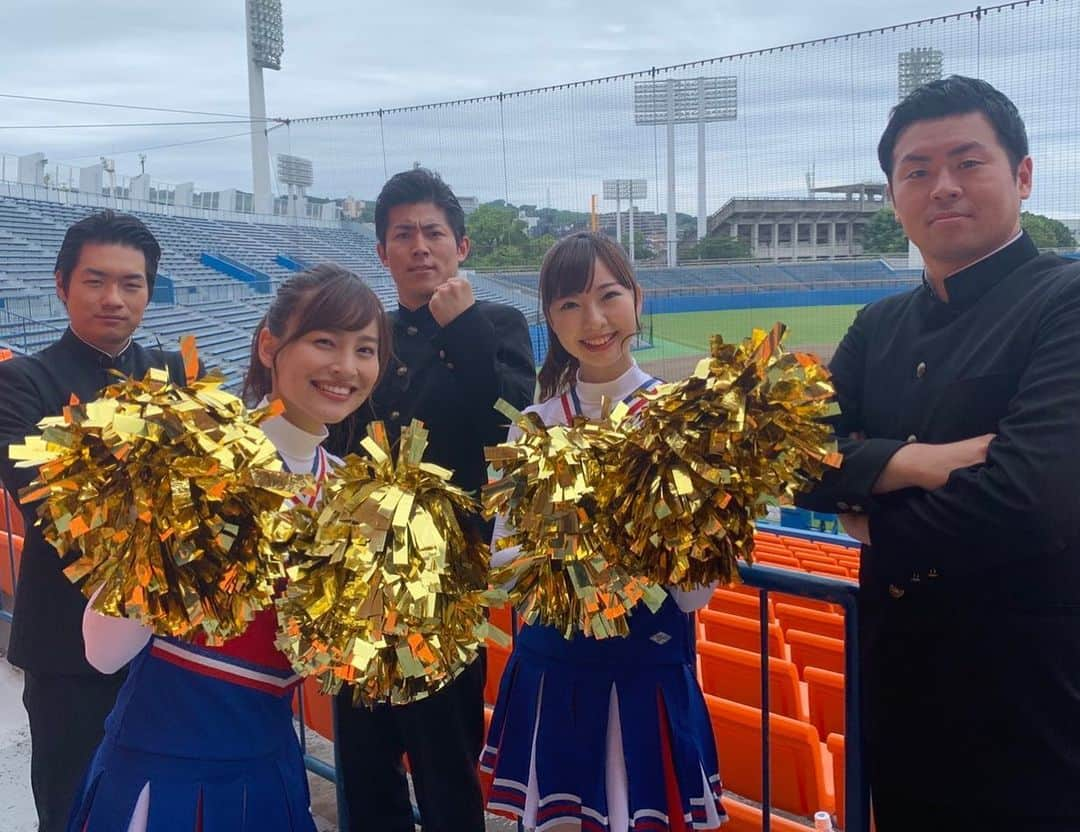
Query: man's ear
380	250
60	291
463	247
1023	177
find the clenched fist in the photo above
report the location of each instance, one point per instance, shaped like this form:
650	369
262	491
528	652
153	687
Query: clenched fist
451	299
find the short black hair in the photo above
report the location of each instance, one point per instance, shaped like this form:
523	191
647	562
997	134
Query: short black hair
956	95
107	227
418	185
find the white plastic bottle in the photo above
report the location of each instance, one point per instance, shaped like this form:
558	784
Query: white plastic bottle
822	822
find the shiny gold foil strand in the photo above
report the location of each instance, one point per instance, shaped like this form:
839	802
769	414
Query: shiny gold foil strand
711	451
563	574
155	488
388	581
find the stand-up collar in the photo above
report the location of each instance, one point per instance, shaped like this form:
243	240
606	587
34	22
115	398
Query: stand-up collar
85	352
965	287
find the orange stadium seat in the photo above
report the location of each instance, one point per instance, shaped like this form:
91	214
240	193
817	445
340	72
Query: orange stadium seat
502	617
829	570
825	691
318	710
792	617
835	744
770	559
799	782
7	580
810	649
15	514
735	674
805	603
497	657
737	603
737	631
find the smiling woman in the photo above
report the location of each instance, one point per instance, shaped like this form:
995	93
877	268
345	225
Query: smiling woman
320	347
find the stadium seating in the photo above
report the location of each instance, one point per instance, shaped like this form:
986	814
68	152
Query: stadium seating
735	674
218	309
738	603
11	548
826	694
794	617
800	783
742	278
812	650
741	632
835	744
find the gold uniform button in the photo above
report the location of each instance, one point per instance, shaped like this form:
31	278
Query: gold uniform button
442	354
411	330
920	369
395	415
843	506
449	365
895	591
857	509
912	438
402	370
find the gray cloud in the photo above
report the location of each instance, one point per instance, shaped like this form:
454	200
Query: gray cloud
822	105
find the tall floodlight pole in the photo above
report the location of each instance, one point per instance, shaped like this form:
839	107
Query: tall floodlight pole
629	189
265	45
672	101
297	174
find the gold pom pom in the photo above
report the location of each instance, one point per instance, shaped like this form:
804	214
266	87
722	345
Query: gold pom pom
708	454
563	575
156	489
388	587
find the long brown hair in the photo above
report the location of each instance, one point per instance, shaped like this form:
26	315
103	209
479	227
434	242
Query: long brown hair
568	269
326	296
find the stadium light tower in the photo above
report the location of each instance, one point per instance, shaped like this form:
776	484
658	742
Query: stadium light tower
629	189
672	101
265	45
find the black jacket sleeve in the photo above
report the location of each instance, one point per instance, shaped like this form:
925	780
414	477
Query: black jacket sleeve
22	406
850	488
1022	502
490	348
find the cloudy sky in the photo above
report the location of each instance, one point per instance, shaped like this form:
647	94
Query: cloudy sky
818	108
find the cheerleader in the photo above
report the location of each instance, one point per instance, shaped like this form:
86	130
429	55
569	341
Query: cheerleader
608	735
201	738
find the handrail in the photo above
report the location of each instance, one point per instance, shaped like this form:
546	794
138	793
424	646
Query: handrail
845	593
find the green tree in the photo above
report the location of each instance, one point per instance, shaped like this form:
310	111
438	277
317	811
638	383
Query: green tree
884	234
495	233
719	247
641	247
1046	232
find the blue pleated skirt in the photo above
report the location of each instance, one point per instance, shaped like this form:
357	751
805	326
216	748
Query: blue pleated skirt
218	756
553	707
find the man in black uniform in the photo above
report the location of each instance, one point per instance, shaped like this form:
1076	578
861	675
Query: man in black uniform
455	357
104	276
960	427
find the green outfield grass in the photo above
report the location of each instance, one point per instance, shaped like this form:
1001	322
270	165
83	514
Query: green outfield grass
687	333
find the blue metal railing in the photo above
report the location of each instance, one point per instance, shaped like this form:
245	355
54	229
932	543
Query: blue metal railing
768	579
